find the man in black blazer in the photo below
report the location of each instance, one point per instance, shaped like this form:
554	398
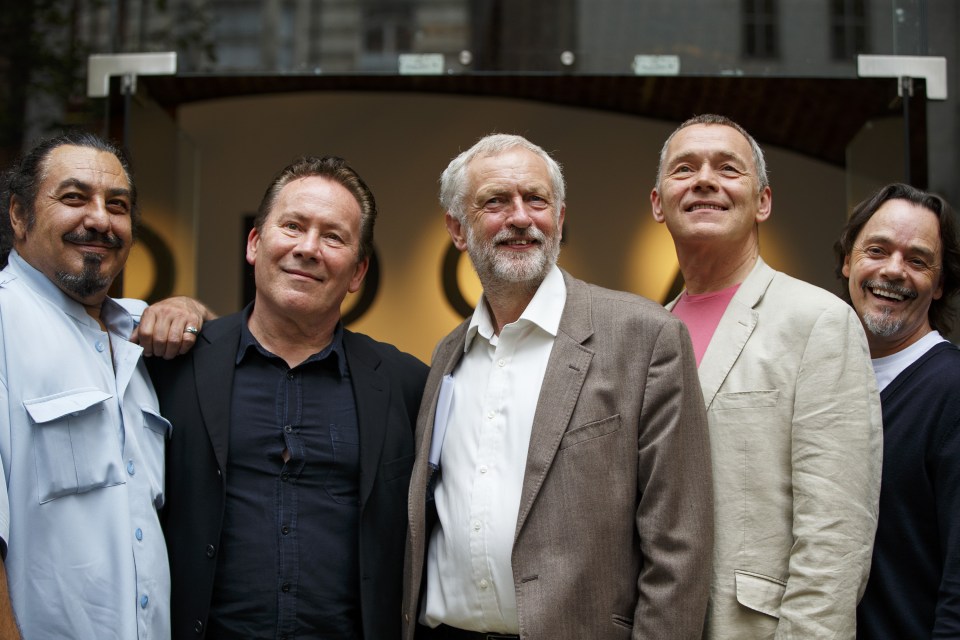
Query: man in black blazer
292	443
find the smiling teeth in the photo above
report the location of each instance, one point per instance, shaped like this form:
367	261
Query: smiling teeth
713	207
883	293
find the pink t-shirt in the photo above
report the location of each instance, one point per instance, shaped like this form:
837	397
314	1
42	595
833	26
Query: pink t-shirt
701	313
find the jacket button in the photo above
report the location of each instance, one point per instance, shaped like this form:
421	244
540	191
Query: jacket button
211	551
198	626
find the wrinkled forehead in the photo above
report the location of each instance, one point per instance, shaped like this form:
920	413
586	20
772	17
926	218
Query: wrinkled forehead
710	140
83	164
899	221
513	166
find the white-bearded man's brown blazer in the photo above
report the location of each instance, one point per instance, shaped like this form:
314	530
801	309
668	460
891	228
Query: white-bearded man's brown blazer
615	531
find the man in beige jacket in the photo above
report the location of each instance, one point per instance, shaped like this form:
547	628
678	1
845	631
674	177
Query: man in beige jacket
791	399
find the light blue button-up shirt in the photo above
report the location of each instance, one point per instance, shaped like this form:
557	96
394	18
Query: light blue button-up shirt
81	449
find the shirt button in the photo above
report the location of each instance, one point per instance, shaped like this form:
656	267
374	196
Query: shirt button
483	469
290	375
138	533
130	468
198	626
501	362
490	415
476	525
143	601
287	428
484	584
284	529
99	346
211	551
285	588
285	476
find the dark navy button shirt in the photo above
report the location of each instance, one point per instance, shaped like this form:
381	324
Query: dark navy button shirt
288	563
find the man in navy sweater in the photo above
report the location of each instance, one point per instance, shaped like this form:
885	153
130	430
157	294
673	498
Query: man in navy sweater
899	259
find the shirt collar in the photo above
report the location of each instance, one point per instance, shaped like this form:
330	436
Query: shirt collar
249	342
544	310
114	316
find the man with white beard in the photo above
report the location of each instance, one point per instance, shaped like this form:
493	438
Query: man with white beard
562	483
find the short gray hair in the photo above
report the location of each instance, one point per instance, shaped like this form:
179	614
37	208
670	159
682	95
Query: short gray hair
453	180
712	118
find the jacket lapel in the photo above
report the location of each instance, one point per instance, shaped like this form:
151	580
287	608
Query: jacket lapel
372	396
733	331
560	390
213	368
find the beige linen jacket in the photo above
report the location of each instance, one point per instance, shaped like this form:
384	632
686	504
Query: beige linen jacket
796	444
615	531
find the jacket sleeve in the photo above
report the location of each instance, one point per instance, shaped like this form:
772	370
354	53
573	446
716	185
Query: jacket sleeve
836	458
675	512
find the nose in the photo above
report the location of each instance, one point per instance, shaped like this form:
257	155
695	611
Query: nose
308	246
894	267
706	178
97	217
518	215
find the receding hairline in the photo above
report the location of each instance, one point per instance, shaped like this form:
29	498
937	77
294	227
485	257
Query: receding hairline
755	156
499	185
46	165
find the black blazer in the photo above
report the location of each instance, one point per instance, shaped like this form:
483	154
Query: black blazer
195	395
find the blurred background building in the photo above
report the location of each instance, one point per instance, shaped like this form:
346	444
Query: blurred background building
400	86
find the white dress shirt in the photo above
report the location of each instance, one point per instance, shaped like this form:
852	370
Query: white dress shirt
495	391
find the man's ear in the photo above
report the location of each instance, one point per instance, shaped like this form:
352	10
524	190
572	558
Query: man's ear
765	206
655	207
253	243
457	232
358	275
18	218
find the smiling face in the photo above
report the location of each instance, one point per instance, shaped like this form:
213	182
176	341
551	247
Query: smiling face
709	191
894	271
81	228
512	227
305	255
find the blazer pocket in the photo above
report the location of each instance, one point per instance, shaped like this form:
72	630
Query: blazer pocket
75	445
760	593
397	468
746	399
590	431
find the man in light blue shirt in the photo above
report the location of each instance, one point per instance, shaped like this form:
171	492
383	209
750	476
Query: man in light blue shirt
81	441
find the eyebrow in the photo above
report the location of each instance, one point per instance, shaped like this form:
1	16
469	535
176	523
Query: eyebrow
878	238
691	155
535	187
86	188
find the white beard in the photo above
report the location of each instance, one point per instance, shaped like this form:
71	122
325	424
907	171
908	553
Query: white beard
496	268
882	324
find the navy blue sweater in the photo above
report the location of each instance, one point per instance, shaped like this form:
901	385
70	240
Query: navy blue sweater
914	586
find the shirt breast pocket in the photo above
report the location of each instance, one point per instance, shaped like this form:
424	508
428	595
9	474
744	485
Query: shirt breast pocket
75	445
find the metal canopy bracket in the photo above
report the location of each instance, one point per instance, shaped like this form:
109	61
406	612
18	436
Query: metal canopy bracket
100	67
931	68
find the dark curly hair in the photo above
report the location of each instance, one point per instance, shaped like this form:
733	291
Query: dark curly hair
940	314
